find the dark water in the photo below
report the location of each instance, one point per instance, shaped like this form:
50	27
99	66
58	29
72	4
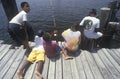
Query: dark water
3	18
65	12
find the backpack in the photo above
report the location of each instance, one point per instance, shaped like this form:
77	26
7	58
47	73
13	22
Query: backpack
87	24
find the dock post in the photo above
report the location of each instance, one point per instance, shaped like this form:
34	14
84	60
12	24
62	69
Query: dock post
104	17
10	8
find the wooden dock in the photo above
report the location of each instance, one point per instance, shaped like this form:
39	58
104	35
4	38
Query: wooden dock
100	64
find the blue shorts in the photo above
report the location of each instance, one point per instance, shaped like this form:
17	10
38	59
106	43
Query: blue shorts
58	51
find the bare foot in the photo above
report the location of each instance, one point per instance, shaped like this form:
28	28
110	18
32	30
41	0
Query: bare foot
38	75
68	57
20	75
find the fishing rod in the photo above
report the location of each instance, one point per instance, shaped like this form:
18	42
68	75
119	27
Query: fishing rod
55	32
52	9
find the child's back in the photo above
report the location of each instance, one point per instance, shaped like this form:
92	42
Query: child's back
50	47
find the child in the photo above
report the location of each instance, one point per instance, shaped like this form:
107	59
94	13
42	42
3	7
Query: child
91	25
20	31
37	54
72	39
51	47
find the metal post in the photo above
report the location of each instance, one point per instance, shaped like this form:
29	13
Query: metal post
10	8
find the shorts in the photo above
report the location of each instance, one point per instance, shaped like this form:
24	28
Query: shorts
36	55
70	46
95	35
17	33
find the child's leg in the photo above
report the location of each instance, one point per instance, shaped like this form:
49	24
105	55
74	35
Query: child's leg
64	51
38	70
20	70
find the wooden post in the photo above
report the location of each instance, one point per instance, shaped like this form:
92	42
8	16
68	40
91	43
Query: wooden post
104	17
10	8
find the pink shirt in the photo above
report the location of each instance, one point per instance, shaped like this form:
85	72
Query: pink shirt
50	48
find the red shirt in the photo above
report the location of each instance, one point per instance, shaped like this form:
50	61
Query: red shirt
50	48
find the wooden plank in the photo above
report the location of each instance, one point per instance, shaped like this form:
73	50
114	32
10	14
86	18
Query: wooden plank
93	66
51	72
80	68
59	68
34	75
109	65
6	58
117	52
15	65
88	72
59	64
106	74
2	47
4	52
66	69
112	59
74	70
9	63
46	68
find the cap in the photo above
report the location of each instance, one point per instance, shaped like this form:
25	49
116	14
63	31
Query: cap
40	33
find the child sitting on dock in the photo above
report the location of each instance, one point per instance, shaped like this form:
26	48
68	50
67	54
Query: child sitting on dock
51	48
91	30
91	25
37	54
72	39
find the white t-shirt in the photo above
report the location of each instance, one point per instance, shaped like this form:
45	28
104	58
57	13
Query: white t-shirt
90	31
72	38
38	43
69	34
19	18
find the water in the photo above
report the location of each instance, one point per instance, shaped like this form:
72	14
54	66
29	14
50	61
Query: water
3	18
66	12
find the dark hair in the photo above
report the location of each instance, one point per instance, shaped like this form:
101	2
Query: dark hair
93	11
40	33
46	37
23	4
76	26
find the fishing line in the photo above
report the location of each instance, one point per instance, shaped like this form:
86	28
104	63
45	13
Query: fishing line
52	9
